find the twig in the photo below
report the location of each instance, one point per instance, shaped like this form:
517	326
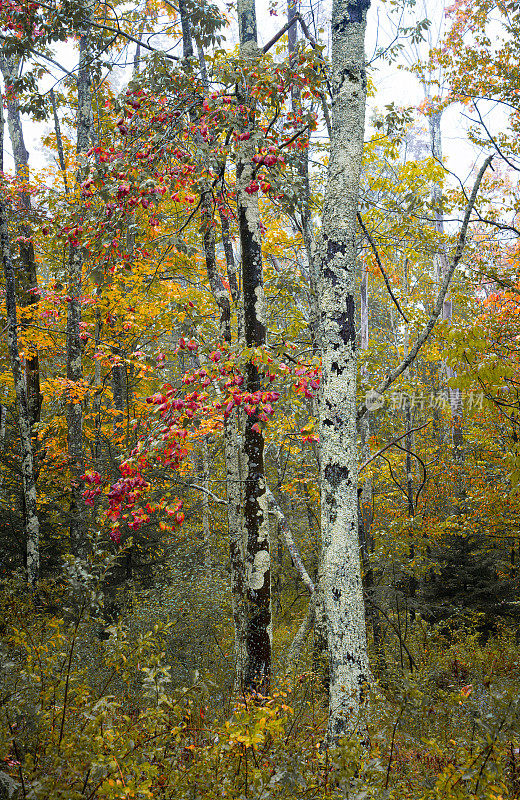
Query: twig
390	756
497	148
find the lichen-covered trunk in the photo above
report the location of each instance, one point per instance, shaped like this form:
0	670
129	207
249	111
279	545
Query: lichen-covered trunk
31	521
336	254
78	524
28	279
256	520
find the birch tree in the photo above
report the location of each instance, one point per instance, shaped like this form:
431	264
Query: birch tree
28	275
441	267
336	254
31	521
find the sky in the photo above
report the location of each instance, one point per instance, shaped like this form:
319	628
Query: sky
393	85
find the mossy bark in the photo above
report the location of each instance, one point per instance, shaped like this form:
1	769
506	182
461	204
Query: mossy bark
336	259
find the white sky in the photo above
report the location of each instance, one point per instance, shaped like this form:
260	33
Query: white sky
393	85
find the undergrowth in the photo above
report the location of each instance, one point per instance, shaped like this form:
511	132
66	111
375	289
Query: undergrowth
84	716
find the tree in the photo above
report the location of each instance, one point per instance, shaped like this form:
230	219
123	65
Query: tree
31	521
336	254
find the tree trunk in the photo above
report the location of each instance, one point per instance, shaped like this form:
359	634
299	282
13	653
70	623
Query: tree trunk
305	214
231	433
31	521
365	512
336	254
78	526
28	281
256	519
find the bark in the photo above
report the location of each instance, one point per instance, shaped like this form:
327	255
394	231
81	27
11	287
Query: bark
409	444
204	474
31	521
187	43
336	254
256	519
78	526
408	417
28	278
231	269
434	123
441	268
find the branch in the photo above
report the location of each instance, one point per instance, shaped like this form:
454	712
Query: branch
326	115
459	250
383	273
291	140
68	73
214	497
120	32
306	32
388	446
499	151
275	509
280	33
423	465
389	463
297	18
413	663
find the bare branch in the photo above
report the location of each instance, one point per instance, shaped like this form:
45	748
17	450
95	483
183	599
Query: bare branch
379	264
214	497
275	509
459	250
280	33
391	444
495	144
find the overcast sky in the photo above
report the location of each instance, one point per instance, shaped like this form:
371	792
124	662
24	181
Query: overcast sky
393	85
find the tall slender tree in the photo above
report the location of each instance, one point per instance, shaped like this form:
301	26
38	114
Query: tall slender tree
336	254
78	526
256	518
28	277
232	438
31	521
441	267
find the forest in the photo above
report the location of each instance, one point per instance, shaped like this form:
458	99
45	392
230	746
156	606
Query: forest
260	400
